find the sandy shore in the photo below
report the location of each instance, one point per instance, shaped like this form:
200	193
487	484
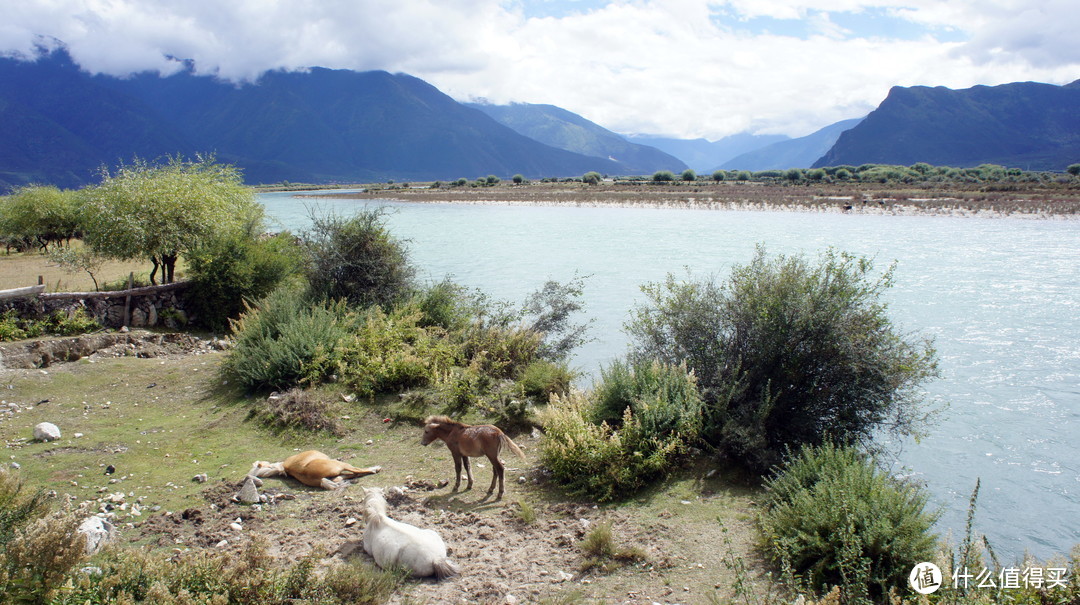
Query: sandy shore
1040	204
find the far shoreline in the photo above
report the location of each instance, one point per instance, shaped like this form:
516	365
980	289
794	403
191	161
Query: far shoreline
873	200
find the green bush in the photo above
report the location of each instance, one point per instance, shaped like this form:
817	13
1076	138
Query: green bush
285	341
789	352
203	577
549	311
444	304
831	518
231	270
600	462
356	259
663	398
59	323
663	176
542	378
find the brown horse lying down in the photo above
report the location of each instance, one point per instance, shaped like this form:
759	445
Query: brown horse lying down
465	441
313	468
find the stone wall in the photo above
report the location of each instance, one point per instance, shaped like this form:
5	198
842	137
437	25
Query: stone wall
149	306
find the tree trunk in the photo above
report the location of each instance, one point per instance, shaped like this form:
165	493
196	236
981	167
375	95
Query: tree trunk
168	263
153	274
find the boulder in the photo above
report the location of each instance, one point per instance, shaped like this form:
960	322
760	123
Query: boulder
46	431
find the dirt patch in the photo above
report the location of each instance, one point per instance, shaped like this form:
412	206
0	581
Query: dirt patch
498	553
45	352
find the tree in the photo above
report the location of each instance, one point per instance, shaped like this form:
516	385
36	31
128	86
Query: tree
592	178
689	175
663	176
357	259
162	211
518	179
40	215
787	353
492	180
719	176
1073	169
793	174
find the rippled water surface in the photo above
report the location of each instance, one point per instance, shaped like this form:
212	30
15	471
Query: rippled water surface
1001	297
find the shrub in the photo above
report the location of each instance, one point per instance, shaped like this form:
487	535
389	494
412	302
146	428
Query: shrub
719	175
1073	169
663	398
252	578
542	378
550	310
688	175
444	304
285	341
663	176
787	352
833	519
602	553
60	323
598	461
234	269
592	178
299	409
356	259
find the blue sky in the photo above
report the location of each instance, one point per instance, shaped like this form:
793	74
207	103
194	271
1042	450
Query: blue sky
685	68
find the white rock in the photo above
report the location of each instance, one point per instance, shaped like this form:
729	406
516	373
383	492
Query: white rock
98	531
46	431
222	544
236	527
350	521
249	494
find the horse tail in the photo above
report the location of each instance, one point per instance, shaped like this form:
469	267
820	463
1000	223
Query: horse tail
444	568
513	446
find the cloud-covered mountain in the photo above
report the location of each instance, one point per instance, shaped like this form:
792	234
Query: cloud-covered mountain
560	128
60	124
801	152
703	155
1024	125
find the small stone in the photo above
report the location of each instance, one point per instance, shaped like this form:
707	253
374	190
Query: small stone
77	435
350	521
249	494
222	544
522	479
236	527
16	465
369	442
200	478
46	431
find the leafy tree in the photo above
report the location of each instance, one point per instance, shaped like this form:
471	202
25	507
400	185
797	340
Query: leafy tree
663	176
843	174
815	174
719	176
550	309
788	352
1073	169
592	178
518	179
357	259
42	215
688	175
744	175
162	211
793	174
492	180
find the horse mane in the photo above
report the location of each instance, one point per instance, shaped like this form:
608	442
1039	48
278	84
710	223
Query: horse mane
374	504
442	420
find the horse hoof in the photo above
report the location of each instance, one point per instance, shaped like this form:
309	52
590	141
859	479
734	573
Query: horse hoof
376	469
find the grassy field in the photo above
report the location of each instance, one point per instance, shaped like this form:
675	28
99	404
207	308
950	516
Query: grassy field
18	270
160	422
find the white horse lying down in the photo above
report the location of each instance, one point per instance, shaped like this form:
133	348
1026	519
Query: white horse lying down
392	542
312	468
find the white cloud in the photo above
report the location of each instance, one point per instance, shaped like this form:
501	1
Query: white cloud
656	66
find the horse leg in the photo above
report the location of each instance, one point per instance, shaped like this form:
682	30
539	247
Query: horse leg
327	483
457	471
468	471
497	472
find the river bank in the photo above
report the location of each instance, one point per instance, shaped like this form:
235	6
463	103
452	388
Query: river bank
1011	201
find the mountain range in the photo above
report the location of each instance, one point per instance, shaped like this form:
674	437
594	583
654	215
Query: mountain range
1025	125
560	128
59	125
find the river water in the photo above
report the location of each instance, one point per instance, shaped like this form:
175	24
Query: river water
1001	298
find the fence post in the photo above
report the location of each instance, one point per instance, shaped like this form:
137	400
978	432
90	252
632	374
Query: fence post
127	299
40	280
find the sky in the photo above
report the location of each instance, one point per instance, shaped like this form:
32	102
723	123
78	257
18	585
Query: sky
679	68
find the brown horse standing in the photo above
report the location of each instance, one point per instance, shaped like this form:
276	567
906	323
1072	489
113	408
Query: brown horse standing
470	441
